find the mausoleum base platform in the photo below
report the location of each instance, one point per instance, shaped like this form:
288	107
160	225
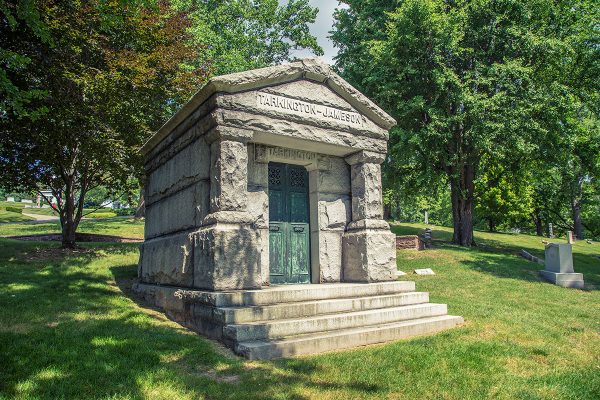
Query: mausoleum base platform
289	320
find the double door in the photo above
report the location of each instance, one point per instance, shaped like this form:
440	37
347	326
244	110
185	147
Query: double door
289	229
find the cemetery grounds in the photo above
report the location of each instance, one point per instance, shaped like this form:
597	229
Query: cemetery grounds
71	328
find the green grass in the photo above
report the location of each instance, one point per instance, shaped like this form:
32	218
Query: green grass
67	330
119	226
9	216
13	204
41	211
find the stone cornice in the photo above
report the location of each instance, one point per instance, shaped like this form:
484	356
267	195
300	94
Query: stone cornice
309	68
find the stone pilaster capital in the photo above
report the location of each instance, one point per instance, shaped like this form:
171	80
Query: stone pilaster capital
222	133
364	157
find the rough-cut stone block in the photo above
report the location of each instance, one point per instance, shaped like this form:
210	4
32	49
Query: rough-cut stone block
567	280
227	256
191	205
167	261
258	206
258	172
330	257
229	176
409	242
334	211
191	163
336	179
369	256
367	202
263	248
559	258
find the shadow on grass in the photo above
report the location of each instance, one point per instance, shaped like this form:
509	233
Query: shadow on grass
68	331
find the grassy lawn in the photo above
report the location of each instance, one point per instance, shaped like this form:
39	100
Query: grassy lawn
68	330
119	226
9	216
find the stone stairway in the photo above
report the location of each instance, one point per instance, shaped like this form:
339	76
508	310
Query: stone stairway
289	320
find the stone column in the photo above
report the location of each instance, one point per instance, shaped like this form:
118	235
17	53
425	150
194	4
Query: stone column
226	252
368	246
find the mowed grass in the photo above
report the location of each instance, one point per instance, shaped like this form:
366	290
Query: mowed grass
117	226
9	216
69	329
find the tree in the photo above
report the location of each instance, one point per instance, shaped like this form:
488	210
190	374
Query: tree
463	80
504	197
238	35
15	96
111	72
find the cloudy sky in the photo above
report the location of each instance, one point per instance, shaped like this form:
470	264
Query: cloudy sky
321	28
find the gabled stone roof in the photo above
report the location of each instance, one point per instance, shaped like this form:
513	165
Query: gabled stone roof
309	68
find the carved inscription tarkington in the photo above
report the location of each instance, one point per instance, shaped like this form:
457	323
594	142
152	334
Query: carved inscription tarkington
299	107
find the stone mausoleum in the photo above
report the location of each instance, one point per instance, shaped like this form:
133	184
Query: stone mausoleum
264	217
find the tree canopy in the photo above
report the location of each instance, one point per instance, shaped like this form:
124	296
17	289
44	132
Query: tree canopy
476	86
84	84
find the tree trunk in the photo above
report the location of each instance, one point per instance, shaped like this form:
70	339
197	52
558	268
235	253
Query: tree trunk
537	220
387	211
577	223
491	225
141	209
67	217
576	208
462	189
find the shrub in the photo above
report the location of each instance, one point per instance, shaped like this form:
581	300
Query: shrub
14	209
125	211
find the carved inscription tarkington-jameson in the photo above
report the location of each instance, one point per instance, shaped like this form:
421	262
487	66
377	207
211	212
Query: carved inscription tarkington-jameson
299	107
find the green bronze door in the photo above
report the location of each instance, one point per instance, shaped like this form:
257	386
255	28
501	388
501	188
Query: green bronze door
289	240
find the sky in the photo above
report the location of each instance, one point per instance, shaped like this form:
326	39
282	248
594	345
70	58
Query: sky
321	28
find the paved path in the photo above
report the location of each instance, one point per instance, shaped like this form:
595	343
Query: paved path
41	217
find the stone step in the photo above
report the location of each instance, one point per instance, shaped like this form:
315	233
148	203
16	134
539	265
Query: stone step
297	293
343	339
238	315
331	322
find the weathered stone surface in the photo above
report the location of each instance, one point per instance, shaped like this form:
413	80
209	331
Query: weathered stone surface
229	176
191	205
559	258
409	242
301	104
334	211
275	131
367	202
336	179
258	206
263	248
227	257
566	280
258	172
369	256
363	224
330	257
184	168
167	260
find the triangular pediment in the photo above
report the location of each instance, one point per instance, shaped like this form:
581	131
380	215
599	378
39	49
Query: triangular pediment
304	88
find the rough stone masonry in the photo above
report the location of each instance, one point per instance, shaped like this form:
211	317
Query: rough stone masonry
210	168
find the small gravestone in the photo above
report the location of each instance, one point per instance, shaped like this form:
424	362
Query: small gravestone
424	271
426	218
570	238
400	273
559	266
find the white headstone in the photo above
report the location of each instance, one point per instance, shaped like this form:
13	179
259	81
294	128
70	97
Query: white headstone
424	271
570	237
426	218
550	230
